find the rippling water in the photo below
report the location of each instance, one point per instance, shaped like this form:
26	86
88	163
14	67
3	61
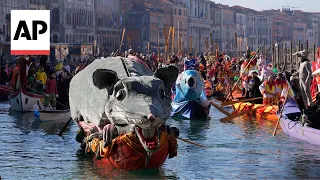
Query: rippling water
243	148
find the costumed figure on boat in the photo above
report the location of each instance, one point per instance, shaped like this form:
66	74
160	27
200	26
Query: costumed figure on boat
305	75
189	100
122	113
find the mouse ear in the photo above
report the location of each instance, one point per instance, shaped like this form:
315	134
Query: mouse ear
104	78
168	74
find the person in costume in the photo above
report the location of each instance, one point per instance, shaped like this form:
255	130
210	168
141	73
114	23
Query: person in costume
256	83
269	91
280	81
23	71
190	63
51	92
305	76
15	81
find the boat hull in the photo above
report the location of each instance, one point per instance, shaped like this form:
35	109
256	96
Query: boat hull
55	115
297	130
5	92
189	110
23	101
127	153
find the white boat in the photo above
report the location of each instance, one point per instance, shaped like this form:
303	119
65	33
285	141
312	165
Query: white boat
23	101
55	115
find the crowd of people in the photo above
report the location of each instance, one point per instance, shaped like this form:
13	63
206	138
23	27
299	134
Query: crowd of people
34	76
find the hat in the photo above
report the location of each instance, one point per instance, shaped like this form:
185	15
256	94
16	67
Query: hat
190	54
302	54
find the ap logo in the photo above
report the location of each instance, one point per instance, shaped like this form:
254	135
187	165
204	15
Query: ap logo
30	32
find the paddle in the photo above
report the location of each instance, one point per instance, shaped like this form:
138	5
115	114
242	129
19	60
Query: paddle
279	118
235	84
65	127
188	141
233	116
285	100
243	100
220	108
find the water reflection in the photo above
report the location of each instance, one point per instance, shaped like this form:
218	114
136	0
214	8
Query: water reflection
26	122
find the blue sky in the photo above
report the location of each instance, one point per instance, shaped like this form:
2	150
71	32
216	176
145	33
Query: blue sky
304	5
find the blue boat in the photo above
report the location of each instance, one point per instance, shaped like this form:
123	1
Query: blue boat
189	99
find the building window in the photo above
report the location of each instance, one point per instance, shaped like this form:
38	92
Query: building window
175	11
180	12
55	16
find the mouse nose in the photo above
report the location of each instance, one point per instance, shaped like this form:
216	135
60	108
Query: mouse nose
191	82
151	117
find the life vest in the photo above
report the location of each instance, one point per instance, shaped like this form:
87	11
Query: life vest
270	88
280	84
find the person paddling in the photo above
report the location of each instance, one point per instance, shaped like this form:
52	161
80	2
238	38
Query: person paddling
269	91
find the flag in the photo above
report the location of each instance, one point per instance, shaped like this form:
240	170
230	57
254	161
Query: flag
120	21
205	14
201	15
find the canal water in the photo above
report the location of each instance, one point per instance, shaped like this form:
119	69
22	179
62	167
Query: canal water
243	148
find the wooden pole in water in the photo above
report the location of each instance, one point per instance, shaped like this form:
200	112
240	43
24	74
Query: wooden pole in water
272	55
158	44
190	48
285	56
291	60
299	46
172	40
211	41
307	46
178	39
314	52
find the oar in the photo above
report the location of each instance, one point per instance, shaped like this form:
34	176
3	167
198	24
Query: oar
65	127
220	108
279	118
243	100
233	116
188	141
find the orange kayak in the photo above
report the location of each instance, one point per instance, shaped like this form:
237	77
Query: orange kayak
262	111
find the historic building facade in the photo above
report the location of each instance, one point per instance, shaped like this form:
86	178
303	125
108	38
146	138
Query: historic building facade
199	24
180	23
5	15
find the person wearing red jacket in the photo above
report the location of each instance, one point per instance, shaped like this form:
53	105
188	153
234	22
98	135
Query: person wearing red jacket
51	92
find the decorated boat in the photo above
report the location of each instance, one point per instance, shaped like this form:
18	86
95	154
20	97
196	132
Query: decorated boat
5	91
131	151
260	110
122	113
189	99
297	130
23	101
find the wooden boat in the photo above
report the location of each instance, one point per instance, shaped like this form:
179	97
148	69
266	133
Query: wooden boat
5	91
55	115
297	130
262	111
23	101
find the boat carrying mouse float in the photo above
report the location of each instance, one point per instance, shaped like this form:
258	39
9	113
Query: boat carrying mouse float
121	108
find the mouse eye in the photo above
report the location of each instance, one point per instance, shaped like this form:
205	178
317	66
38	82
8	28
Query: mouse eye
121	94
